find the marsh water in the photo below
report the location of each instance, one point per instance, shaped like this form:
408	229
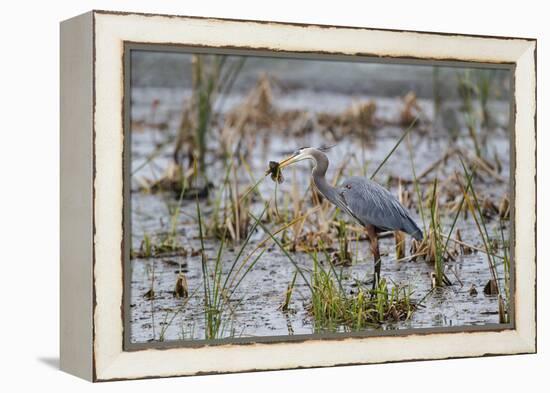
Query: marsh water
257	309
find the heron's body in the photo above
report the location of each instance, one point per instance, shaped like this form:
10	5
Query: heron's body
370	204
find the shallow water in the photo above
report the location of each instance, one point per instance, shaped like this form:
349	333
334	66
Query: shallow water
262	291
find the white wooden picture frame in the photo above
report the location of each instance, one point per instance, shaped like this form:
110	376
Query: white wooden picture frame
92	195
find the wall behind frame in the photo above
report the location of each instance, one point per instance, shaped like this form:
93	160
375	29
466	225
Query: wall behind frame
76	192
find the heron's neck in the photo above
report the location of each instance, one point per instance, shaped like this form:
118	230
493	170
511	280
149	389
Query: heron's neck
319	171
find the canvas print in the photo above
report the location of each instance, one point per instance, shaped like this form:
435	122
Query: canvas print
285	197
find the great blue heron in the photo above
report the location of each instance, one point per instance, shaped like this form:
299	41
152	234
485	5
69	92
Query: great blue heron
370	204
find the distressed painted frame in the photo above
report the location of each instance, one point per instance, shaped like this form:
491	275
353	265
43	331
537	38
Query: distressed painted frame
92	193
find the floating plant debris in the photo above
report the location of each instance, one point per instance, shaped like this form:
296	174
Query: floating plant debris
275	172
491	288
181	289
149	295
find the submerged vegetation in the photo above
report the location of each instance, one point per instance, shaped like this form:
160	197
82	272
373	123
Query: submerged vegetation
220	237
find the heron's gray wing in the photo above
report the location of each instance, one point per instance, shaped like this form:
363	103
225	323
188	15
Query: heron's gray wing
370	203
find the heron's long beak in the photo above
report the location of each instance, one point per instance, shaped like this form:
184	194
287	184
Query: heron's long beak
291	160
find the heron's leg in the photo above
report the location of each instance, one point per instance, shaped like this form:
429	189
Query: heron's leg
371	231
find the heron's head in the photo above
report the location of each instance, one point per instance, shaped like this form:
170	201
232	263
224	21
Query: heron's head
304	153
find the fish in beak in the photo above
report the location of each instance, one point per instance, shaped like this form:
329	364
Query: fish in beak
276	167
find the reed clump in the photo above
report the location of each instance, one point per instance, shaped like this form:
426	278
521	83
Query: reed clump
358	119
333	308
410	111
162	244
230	217
213	77
494	285
432	246
220	285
